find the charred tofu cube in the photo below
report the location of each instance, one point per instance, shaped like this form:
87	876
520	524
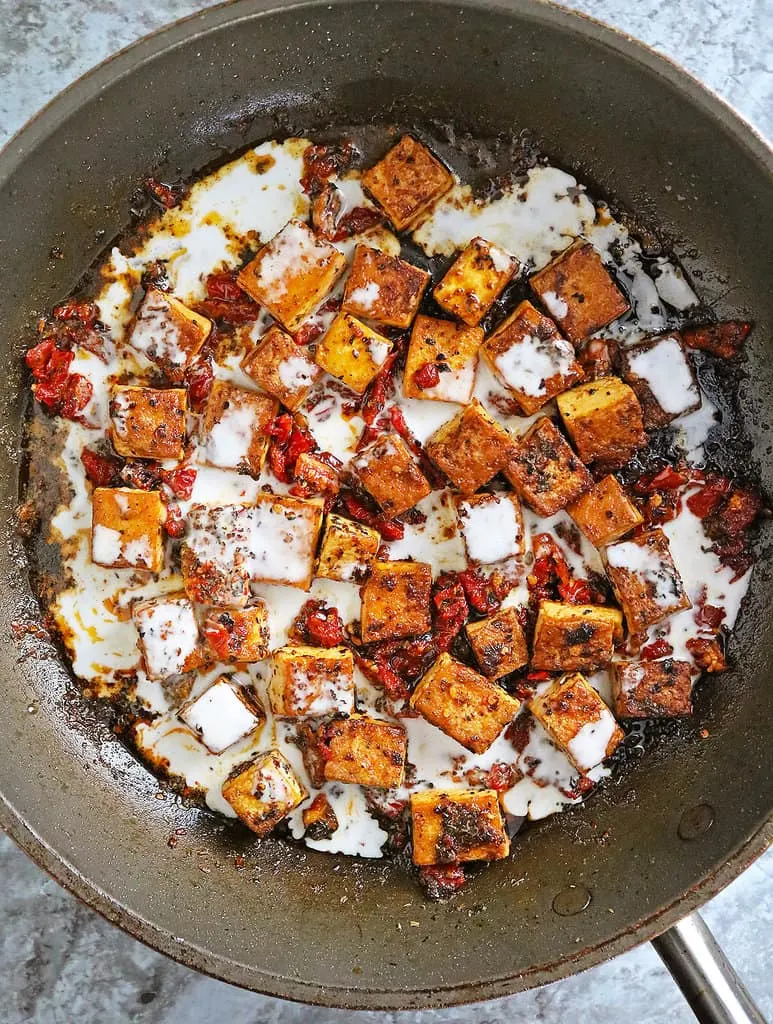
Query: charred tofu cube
661	373
235	428
396	601
360	750
389	473
168	333
148	423
474	280
264	792
577	721
491	526
605	512
407	182
463	704
238	634
578	291
316	476
470	448
544	470
646	581
311	681
292	274
215	554
222	715
568	637
348	550
127	528
603	419
281	367
530	358
352	352
284	539
383	288
498	643
442	361
168	635
652	689
456	825
319	819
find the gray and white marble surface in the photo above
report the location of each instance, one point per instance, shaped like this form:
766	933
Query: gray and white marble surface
59	961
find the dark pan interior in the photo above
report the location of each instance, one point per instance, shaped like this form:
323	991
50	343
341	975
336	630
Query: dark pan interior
294	923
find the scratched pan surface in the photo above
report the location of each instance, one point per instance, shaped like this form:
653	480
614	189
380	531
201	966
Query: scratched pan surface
682	822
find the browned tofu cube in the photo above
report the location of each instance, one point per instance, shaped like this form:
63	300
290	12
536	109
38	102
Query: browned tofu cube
491	525
284	539
568	637
352	352
407	182
577	720
448	348
530	358
224	714
396	601
348	550
264	792
168	333
661	373
646	581
578	292
603	419
168	635
605	512
234	428
281	367
315	476
215	554
238	634
457	825
498	643
361	750
544	470
311	681
127	528
470	448
292	274
474	280
652	689
148	423
319	819
383	288
389	473
463	704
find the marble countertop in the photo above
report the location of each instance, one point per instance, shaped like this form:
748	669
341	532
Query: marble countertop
60	961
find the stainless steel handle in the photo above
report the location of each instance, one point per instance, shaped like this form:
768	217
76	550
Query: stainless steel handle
704	974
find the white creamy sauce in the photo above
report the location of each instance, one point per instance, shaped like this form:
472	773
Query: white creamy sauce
297	372
492	529
555	305
365	297
673	287
227	445
667	373
588	747
529	364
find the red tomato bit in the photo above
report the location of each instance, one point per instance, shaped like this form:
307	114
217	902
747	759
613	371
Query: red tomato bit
318	624
427	376
442	880
724	340
102	470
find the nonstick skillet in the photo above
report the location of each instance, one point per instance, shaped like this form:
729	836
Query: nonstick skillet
680	823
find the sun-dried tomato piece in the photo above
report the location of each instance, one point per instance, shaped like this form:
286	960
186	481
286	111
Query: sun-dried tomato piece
142	475
596	358
734	516
325	207
226	301
724	340
281	428
549	571
659	648
442	880
199	378
380	389
479	592
65	394
711	494
427	376
390	529
450	609
102	470
226	635
502	776
318	624
321	162
661	507
45	360
86	313
709	616
180	480
667	479
167	196
707	654
576	592
289	441
174	524
356	222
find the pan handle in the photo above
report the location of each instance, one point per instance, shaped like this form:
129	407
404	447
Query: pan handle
704	974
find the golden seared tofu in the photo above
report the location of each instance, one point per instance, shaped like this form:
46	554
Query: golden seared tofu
603	419
319	819
389	473
544	470
530	358
348	549
474	281
168	333
127	528
361	750
383	288
352	352
442	360
396	601
652	689
646	581
215	554
234	428
491	526
463	704
316	476
457	825
264	792
577	720
148	423
292	274
568	637
470	448
168	635
605	512
578	291
498	643
238	634
407	182
311	681
661	373
224	714
281	367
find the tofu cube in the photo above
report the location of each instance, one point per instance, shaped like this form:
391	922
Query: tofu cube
396	601
407	182
360	750
264	792
652	689
316	476
475	279
470	448
530	358
347	551
491	526
148	423
292	274
577	721
646	581
457	825
168	635
215	554
352	352
284	539
544	470
390	474
452	349
383	288
605	512
310	681
168	333
319	819
569	637
238	634
604	420
235	428
127	528
661	373
281	367
498	643
463	704
223	715
578	291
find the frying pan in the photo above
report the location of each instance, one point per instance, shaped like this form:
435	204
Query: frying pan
682	821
